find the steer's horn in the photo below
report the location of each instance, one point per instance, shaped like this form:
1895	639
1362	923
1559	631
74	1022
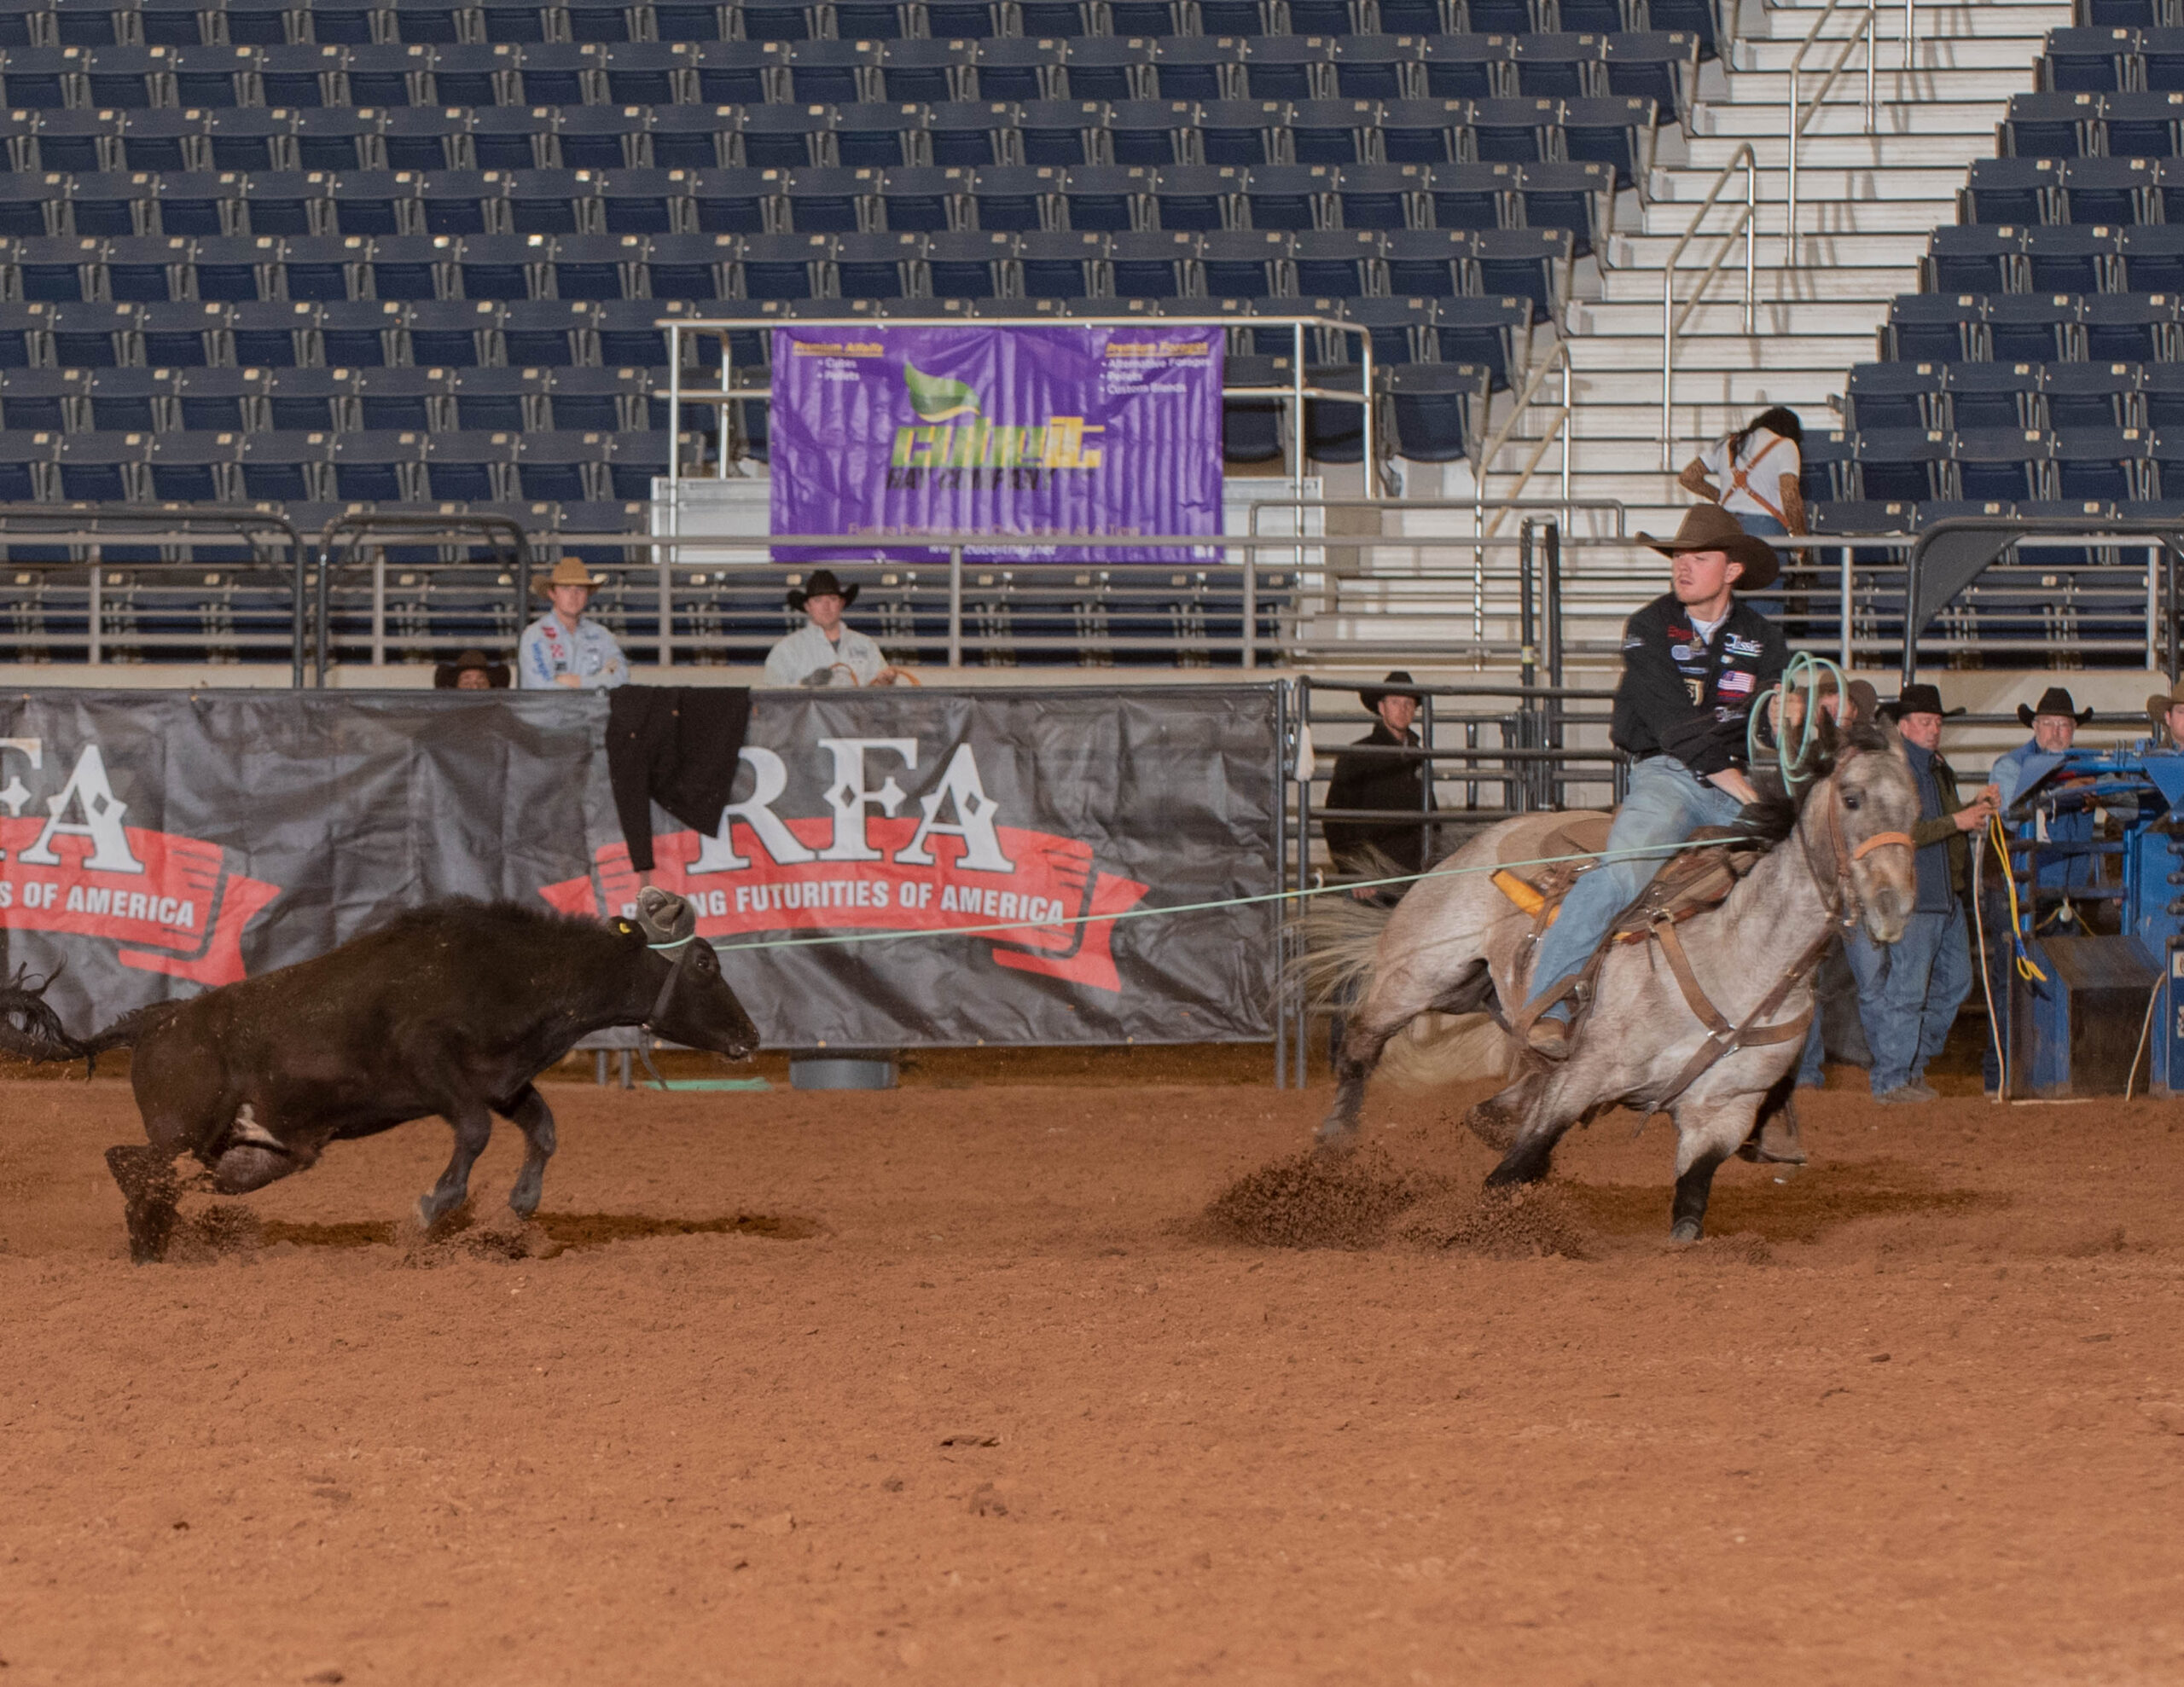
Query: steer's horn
664	917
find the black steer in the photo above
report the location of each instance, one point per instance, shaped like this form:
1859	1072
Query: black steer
451	1009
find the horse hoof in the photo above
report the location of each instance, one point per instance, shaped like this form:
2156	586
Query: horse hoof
1686	1231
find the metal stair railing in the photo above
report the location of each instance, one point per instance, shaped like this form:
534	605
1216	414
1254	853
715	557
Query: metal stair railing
1745	222
1798	124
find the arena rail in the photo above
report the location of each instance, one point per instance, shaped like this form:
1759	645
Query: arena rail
84	580
345	536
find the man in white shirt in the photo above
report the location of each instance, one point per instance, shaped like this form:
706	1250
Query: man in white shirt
823	651
566	646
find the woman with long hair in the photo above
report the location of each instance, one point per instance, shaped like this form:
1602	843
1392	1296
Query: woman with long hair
1753	474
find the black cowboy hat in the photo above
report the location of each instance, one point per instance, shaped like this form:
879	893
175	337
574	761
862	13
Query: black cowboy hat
1709	527
823	583
2055	700
1397	684
1919	699
446	674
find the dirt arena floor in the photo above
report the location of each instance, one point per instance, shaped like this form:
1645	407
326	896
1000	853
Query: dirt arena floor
962	1383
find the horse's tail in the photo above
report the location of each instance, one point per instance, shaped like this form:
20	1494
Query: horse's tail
30	1030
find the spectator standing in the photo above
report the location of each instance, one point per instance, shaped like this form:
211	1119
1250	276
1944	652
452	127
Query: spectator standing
1910	991
1382	778
1754	474
566	646
823	651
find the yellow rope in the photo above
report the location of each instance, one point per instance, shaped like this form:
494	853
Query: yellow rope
2000	838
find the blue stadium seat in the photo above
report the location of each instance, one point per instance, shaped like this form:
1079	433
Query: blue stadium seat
523	22
1513	130
1015	68
166	139
692	137
1896	396
2167	456
1289	67
1899	465
511	400
427	22
1252	428
876	266
319	398
1199	196
204	202
837	201
1240	131
925	199
1494	333
414	399
338	140
132	78
1243	263
448	201
1334	432
738	200
1572	196
1018	197
785	138
1234	17
1340	262
1977	259
1438	409
2111	190
879	135
2090	396
2161	59
1613	129
1471	195
1150	131
1400	329
26	472
76	142
2002	464
2162	393
1562	64
2073	258
777	266
1533	263
740	72
411	267
1657	65
881	19
357	334
2089	61
1107	67
698	267
1925	328
644	73
105	469
610	400
196	468
41	77
1054	265
931	72
1481	67
1291	196
504	267
601	138
2058	125
1059	131
25	334
2140	124
1108	198
834	73
287	467
427	137
644	201
2106	463
969	132
34	205
1379	67
1200	67
573	467
553	334
594	267
1846	518
1982	397
1146	17
1435	263
1418	17
1325	17
369	468
233	400
1054	17
55	400
689	20
1332	131
1383	195
1153	264
2153	258
2017	190
629	332
2031	327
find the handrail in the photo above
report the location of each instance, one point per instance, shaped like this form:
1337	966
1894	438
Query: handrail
511	548
1798	127
1558	355
1672	324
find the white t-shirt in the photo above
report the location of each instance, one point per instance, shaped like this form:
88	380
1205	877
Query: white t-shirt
1765	458
855	661
1707	630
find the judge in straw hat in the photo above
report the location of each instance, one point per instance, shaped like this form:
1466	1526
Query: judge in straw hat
566	646
2166	710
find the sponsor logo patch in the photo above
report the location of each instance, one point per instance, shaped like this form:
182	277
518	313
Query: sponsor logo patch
1737	646
1682	653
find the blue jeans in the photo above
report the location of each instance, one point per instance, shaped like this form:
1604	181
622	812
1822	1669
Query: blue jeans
1910	991
1667	804
1766	527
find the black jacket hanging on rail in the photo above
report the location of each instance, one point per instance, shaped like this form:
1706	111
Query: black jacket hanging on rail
675	745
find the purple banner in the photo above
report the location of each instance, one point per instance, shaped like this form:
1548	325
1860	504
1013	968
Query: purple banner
985	429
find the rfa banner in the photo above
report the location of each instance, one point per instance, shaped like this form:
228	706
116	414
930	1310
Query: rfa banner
1030	431
974	846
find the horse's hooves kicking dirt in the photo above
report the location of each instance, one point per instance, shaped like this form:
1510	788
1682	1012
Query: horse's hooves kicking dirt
149	1191
1503	1223
1316	1200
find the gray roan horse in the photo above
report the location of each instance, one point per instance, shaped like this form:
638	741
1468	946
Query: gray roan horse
1455	944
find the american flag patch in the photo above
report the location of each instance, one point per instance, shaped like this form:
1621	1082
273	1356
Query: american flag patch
1734	682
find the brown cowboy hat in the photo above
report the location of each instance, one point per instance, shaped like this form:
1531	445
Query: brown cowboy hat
445	674
823	583
1397	684
569	571
1918	699
2055	700
2159	705
1709	527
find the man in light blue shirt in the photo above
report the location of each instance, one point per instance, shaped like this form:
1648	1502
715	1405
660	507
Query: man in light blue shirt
566	646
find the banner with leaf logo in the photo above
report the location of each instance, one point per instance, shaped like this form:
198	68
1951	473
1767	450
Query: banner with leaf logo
1030	432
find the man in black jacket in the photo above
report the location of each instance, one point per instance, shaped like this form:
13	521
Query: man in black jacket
1694	663
1382	778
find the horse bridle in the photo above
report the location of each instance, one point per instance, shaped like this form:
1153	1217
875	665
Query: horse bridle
1837	889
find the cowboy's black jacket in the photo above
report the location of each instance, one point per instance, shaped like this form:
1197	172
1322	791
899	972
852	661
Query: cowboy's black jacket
1682	699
